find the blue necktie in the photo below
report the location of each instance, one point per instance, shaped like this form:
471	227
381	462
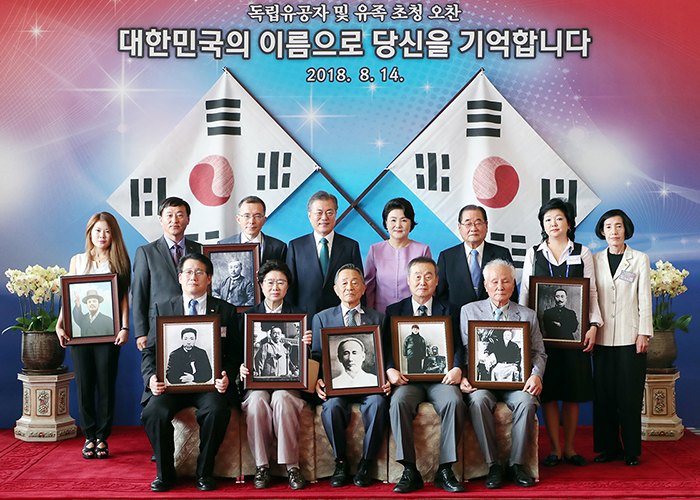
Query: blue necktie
499	314
423	311
193	308
324	257
351	317
475	271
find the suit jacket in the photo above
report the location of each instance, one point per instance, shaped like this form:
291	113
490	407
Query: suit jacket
481	311
308	289
455	280
568	323
242	294
103	325
155	280
231	345
195	362
272	247
624	303
440	308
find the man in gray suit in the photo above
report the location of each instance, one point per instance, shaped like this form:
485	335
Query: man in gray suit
499	278
251	218
155	265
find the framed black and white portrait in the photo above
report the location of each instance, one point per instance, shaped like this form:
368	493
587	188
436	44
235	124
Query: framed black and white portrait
562	309
188	352
422	346
274	352
91	308
235	273
499	354
352	360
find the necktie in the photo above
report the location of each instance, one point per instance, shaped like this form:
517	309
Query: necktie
351	317
324	257
178	254
423	311
499	314
193	308
475	270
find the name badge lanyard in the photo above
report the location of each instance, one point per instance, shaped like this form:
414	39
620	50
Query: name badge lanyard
549	262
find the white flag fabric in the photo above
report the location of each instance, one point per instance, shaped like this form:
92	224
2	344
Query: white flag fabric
479	150
227	147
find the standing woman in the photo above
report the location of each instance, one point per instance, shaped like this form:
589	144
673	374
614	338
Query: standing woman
387	261
95	365
619	360
568	377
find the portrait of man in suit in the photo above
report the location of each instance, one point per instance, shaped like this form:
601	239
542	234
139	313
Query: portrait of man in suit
560	322
189	364
235	288
500	356
276	357
94	323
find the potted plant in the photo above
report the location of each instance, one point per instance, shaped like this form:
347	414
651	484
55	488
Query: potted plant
666	283
39	292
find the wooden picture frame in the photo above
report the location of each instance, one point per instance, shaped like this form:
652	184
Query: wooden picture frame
365	347
499	354
174	361
563	326
80	295
224	258
285	366
435	334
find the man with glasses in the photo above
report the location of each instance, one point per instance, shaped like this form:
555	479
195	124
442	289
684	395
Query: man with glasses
251	218
460	267
315	258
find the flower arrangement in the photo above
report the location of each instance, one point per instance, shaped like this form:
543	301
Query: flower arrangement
667	283
36	288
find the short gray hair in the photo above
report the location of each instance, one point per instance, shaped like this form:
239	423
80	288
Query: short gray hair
498	262
351	267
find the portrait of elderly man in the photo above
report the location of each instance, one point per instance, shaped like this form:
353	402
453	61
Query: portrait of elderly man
272	359
352	355
236	289
94	323
559	321
503	357
188	364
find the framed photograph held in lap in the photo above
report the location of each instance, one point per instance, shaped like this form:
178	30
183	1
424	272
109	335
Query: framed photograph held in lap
422	346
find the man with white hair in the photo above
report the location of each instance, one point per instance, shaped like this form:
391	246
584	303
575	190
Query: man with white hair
499	281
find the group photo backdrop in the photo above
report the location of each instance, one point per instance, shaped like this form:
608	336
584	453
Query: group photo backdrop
87	112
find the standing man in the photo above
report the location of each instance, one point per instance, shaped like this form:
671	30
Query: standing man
499	276
349	285
213	408
445	396
155	265
560	322
251	218
414	350
460	267
314	259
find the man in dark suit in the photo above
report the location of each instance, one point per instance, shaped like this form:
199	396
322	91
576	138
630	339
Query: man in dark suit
560	322
188	364
460	266
94	323
213	408
155	265
235	288
499	276
315	258
349	285
251	218
445	396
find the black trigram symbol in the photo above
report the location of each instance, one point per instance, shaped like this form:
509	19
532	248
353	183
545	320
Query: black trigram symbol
217	116
279	176
142	191
517	247
484	118
208	236
559	191
432	172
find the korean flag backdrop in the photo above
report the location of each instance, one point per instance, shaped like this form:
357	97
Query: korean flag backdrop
91	90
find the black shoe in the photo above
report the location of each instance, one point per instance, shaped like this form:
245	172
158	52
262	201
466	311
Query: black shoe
608	456
297	481
519	476
206	483
262	478
158	485
551	461
631	460
362	477
577	460
411	480
153	457
494	479
340	476
445	479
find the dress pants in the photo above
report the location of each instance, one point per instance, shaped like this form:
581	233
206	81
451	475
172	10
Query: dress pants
213	415
95	367
270	414
619	375
448	403
482	404
336	414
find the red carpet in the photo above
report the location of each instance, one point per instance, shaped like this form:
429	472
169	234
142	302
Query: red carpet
56	470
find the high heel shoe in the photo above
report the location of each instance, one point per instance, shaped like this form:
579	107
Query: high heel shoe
102	452
89	451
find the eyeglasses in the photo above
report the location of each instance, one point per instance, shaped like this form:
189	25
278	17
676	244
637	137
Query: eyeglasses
477	224
279	283
328	213
197	272
255	217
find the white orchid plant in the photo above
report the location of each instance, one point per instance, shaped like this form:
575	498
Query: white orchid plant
37	289
667	283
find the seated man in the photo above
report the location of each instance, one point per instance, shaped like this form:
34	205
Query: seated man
213	413
445	396
350	286
499	279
